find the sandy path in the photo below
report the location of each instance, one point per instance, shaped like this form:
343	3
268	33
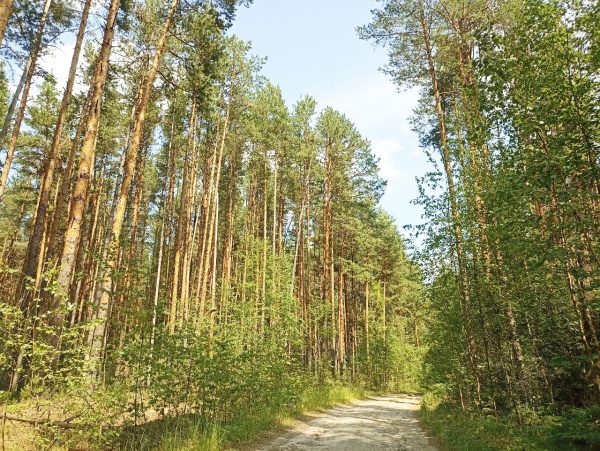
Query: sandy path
388	423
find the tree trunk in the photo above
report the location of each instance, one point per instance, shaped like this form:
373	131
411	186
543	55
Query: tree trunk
213	188
171	157
228	241
54	242
367	317
15	101
464	280
182	226
328	268
36	238
88	152
35	51
5	11
96	338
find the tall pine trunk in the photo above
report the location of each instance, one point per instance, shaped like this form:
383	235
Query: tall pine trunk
97	335
35	51
41	217
460	253
5	11
79	197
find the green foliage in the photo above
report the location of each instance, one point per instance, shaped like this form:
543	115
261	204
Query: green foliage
508	113
254	275
456	429
197	433
40	119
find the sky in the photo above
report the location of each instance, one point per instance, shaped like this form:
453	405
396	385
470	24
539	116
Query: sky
312	48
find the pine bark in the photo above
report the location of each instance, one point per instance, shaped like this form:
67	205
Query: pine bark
88	152
61	204
36	239
5	12
97	336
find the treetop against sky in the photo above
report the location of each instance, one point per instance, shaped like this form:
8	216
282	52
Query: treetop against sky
312	48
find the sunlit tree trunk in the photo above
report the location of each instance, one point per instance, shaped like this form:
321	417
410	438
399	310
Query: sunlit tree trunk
5	11
87	157
61	204
463	276
97	336
33	258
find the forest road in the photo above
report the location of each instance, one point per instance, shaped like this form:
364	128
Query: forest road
387	423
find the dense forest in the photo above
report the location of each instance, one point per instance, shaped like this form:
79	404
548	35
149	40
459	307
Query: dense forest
509	114
176	241
180	246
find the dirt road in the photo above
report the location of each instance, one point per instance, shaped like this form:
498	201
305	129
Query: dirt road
388	423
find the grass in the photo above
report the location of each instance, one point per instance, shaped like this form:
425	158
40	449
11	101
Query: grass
456	430
191	432
185	432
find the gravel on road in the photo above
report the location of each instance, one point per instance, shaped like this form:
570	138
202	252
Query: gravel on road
387	423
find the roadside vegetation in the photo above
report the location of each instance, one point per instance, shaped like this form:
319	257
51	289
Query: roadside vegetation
509	114
184	258
457	430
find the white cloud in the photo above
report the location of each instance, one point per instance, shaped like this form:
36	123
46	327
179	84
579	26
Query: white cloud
389	151
372	103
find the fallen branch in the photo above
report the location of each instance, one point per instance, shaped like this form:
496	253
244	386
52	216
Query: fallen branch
68	423
37	421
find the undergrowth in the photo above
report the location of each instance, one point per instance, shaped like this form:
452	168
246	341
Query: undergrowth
192	432
457	430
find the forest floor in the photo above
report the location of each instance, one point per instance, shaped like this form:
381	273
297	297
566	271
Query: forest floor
387	423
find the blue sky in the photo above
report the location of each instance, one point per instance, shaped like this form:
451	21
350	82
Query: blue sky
312	48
